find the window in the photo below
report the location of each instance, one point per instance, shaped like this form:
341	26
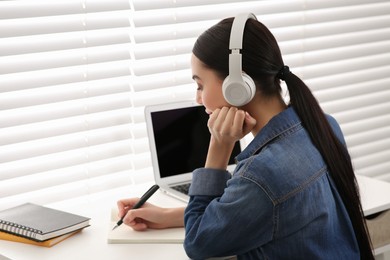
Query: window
75	76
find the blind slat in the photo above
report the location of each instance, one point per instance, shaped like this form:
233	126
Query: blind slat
70	125
65	159
157	4
347	91
369	136
372	121
12	9
357	102
39	147
63	110
367	149
66	75
63	41
58	59
63	23
342	66
65	175
70	190
371	159
59	93
379	171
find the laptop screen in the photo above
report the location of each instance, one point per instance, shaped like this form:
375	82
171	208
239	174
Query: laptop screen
182	140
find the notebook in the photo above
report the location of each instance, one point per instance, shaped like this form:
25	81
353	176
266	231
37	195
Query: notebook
179	140
126	235
39	223
2	257
47	243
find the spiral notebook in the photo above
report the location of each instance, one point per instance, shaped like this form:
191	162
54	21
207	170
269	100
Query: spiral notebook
39	223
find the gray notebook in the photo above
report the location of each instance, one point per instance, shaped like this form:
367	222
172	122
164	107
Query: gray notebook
2	257
40	223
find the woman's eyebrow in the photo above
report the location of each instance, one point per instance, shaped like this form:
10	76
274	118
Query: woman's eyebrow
195	77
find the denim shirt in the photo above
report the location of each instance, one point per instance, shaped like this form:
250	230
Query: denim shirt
280	202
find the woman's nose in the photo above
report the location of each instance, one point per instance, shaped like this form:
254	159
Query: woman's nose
199	98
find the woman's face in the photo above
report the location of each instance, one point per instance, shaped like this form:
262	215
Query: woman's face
209	91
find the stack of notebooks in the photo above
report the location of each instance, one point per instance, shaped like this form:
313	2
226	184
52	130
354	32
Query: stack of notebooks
34	224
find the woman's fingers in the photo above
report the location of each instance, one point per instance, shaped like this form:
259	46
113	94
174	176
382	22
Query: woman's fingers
227	123
125	204
249	123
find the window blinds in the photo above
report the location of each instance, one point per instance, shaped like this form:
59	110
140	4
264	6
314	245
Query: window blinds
75	76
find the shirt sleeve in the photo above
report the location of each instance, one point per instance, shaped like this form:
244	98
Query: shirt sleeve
226	221
336	129
208	182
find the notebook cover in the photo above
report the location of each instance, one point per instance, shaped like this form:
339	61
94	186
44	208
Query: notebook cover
50	222
47	243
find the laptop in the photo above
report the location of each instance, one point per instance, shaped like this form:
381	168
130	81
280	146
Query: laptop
179	140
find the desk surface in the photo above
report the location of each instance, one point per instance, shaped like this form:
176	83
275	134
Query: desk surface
375	195
91	243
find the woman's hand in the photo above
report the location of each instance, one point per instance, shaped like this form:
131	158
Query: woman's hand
227	125
149	215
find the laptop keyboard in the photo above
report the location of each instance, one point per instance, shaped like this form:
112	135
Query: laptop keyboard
183	188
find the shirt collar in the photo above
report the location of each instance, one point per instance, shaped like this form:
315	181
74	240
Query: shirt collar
279	124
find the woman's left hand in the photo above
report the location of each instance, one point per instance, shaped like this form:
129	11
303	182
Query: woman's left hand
227	125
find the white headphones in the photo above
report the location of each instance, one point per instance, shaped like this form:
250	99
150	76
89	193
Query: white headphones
238	88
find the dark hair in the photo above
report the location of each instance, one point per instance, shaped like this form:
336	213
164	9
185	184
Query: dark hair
262	60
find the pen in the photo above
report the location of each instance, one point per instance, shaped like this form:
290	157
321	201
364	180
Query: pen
141	202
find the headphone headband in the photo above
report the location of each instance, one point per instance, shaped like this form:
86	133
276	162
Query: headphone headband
236	42
237	31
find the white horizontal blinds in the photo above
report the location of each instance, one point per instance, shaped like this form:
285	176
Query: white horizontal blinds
75	77
340	48
163	35
65	102
350	78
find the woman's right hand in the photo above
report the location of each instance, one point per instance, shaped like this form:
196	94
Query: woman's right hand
149	215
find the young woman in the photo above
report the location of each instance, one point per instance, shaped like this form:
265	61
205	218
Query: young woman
293	194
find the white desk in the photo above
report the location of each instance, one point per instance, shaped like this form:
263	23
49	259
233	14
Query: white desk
375	196
91	243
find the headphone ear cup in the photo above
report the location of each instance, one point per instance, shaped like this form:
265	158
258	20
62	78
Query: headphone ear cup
249	82
238	92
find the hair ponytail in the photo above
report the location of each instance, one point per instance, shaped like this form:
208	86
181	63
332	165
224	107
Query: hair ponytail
333	152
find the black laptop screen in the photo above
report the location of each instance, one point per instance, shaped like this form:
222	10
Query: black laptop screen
182	140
